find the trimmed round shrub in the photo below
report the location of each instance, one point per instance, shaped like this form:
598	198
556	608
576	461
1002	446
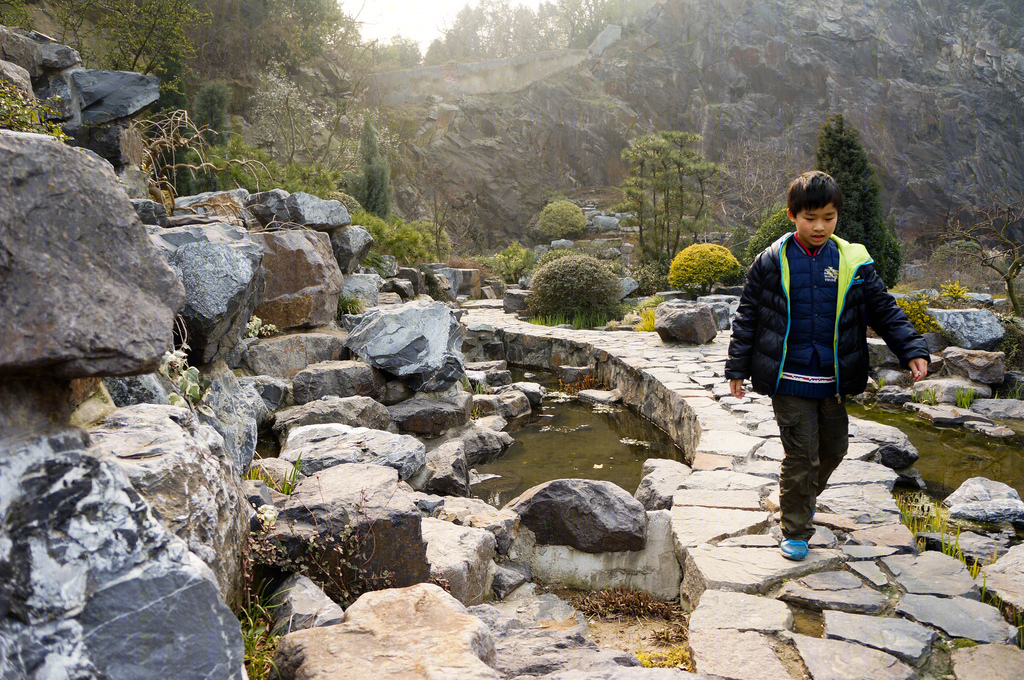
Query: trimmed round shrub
769	232
350	203
695	268
562	219
553	255
652	277
574	285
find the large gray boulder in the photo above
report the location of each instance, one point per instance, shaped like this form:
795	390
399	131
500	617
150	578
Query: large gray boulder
686	322
94	586
298	604
71	304
323	446
419	342
283	356
104	96
238	410
972	328
432	416
150	388
461	555
447	469
659	481
315	212
350	246
589	515
220	268
363	510
983	500
303	279
268	207
179	467
363	287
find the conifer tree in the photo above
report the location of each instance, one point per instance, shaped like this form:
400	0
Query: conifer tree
841	154
373	189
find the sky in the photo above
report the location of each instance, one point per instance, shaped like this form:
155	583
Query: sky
421	20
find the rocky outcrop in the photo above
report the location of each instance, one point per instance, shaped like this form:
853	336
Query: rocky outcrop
70	304
686	322
181	470
220	268
320	447
135	585
352	411
420	343
303	279
338	379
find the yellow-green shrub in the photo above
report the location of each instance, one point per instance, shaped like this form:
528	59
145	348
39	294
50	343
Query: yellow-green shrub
511	263
408	243
916	309
562	219
695	268
553	255
20	112
954	291
573	285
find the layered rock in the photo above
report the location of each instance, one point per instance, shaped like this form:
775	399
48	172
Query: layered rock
94	583
181	470
320	447
420	342
303	279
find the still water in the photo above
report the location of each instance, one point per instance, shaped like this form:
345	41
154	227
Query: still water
570	439
949	455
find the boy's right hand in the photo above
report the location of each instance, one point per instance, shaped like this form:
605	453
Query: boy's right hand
736	387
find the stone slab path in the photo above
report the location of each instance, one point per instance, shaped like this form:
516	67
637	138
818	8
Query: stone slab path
885	612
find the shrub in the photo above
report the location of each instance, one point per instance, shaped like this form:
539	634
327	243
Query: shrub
916	309
350	203
575	285
954	291
553	255
348	304
21	113
646	323
698	266
511	263
1012	343
408	243
769	232
562	219
210	109
651	277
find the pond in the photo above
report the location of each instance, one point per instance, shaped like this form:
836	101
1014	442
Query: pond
949	456
566	438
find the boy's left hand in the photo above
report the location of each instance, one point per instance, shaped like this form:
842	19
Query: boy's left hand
918	368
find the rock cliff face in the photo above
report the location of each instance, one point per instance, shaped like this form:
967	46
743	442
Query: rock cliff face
936	88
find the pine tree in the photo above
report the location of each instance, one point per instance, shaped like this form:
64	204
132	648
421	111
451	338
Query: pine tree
373	189
841	154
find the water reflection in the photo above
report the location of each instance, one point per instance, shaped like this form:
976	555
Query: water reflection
564	439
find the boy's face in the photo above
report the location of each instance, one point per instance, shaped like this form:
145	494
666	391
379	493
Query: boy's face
814	226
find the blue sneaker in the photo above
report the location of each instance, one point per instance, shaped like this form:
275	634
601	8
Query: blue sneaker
793	550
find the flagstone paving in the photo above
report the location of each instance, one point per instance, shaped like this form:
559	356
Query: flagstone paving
734	576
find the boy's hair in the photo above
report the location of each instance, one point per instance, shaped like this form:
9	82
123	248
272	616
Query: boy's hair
813	190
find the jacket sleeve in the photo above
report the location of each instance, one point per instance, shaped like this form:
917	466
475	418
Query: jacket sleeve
887	319
744	325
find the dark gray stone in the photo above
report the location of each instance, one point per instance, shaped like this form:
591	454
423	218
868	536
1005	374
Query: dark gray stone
904	639
237	411
325	446
337	378
353	411
268	207
224	283
285	355
660	480
685	321
150	212
133	591
104	96
514	301
972	328
382	512
418	342
431	416
257	493
983	500
415	276
894	448
839	590
137	389
274	392
534	392
958	617
350	246
483	444
405	289
508	576
449	472
589	515
61	214
932	573
316	213
298	604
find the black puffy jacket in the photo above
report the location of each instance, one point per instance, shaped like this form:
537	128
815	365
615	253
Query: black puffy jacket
762	324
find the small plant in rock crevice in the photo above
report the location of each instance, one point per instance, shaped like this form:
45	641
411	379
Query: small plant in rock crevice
192	386
348	304
646	323
257	329
965	397
954	291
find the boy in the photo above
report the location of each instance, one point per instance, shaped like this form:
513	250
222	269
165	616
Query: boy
800	335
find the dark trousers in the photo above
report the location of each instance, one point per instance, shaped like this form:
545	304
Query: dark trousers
815	437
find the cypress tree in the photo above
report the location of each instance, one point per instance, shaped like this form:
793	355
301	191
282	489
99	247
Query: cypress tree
373	189
841	154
